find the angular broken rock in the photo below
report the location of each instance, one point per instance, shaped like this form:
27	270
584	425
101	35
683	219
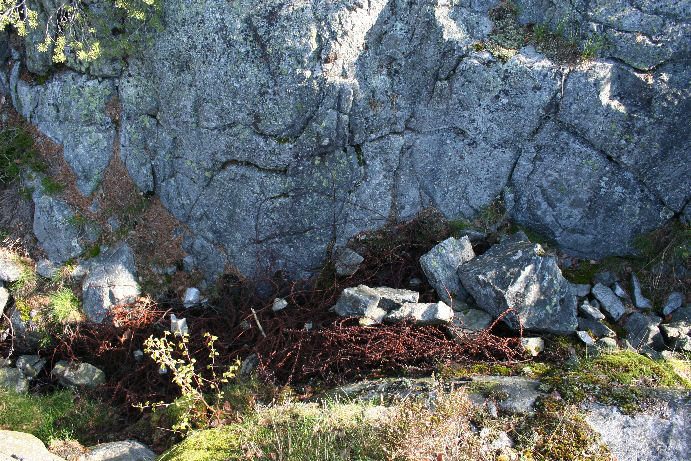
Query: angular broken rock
589	311
641	301
441	263
192	297
580	289
644	332
13	380
421	313
111	281
516	274
54	228
126	450
586	338
610	303
78	374
598	329
30	365
178	326
347	261
673	303
279	304
471	319
372	303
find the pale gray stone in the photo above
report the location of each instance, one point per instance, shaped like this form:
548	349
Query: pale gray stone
421	313
641	301
4	298
356	301
610	303
441	263
533	346
347	261
111	281
587	309
586	338
673	303
279	304
21	446
11	269
580	289
512	393
516	274
619	291
54	227
394	297
178	326
78	374
126	450
607	344
471	319
192	297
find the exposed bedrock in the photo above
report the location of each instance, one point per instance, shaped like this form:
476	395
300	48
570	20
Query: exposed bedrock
276	129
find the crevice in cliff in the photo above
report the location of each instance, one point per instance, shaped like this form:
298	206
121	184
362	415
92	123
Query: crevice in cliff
244	163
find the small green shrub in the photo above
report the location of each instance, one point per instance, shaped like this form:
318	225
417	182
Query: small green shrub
51	186
64	306
17	154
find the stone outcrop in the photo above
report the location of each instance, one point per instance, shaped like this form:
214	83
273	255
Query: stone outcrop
364	112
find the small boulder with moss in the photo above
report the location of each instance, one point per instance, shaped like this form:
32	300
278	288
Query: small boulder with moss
78	374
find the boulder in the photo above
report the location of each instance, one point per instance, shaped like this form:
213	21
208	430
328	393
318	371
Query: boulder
643	332
440	265
55	228
25	447
13	380
78	375
347	261
421	313
111	281
610	303
11	269
516	274
126	450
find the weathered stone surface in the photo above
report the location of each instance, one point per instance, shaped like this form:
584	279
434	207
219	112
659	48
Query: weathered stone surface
77	375
440	265
598	329
70	109
11	269
178	326
513	393
580	289
25	447
673	303
516	274
30	365
365	114
13	380
641	301
421	313
391	298
372	303
588	310
674	331
653	436
471	319
681	314
610	303
192	297
586	338
643	332
54	227
111	281
347	261
126	450
606	344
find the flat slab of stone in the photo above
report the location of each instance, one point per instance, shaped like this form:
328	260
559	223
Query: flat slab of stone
372	304
441	263
609	302
20	446
588	310
126	450
643	332
347	261
517	274
673	303
512	393
598	329
657	436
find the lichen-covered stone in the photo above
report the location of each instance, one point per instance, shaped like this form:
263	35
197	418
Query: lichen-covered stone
78	375
610	303
440	265
517	274
126	450
13	379
22	446
421	313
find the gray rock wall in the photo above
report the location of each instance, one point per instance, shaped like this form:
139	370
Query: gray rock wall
274	129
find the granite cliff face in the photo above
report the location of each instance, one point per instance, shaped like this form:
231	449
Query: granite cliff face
275	129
